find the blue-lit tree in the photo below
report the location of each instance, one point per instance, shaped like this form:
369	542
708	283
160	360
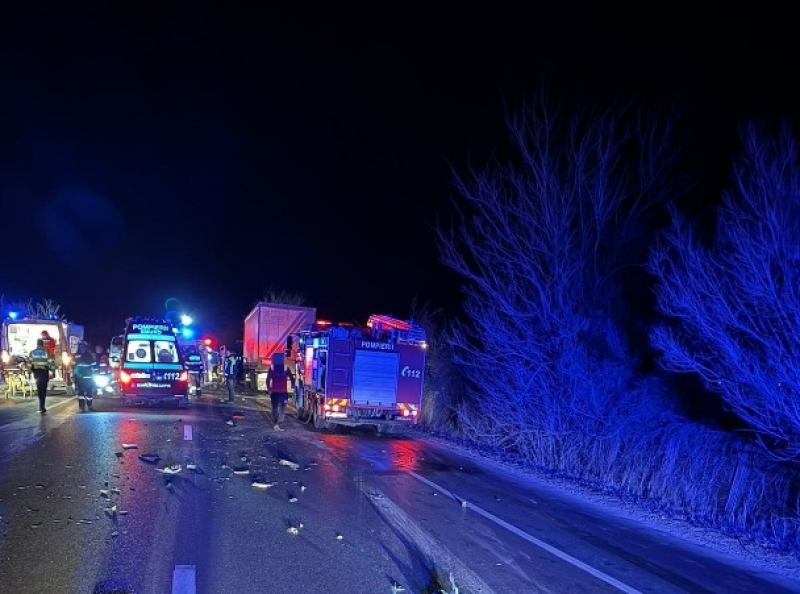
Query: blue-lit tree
733	305
541	242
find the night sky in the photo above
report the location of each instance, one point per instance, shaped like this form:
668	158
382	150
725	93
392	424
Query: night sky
206	154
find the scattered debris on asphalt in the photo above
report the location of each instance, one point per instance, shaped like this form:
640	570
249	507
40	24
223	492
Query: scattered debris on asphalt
130	446
150	458
171	469
262	483
290	464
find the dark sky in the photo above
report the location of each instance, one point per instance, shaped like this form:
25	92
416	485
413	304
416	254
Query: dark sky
206	154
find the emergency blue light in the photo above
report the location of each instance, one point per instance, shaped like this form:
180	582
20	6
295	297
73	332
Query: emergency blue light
186	320
187	333
13	315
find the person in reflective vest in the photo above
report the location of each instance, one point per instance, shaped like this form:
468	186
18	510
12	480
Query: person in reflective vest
41	364
84	377
278	378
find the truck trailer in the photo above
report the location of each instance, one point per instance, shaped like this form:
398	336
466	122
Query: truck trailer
352	377
268	329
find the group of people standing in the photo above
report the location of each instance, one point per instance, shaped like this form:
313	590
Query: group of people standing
42	365
279	377
88	363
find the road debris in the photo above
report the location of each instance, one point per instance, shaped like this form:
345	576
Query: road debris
290	464
292	499
230	423
339	536
171	469
104	493
240	470
130	446
150	458
262	483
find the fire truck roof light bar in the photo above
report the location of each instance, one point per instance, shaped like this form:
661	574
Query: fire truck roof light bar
387	321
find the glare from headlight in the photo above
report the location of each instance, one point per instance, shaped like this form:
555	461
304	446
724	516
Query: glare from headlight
101	381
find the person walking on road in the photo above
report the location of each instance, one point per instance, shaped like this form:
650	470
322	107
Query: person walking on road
41	365
229	370
278	379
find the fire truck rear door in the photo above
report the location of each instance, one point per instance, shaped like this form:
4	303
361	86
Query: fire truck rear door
375	378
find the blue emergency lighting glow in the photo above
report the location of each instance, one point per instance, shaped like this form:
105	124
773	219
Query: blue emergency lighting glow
186	320
187	332
13	315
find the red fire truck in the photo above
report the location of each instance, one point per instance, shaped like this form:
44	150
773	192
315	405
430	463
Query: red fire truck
361	376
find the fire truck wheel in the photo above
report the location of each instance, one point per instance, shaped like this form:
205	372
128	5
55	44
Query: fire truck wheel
302	414
319	422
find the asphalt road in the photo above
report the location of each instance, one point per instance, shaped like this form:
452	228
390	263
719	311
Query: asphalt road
329	512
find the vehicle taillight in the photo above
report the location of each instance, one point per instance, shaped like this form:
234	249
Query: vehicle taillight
124	377
184	376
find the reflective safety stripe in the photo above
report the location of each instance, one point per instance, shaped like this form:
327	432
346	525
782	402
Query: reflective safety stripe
40	359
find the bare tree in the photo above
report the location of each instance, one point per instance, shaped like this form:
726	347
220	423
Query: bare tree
735	306
443	382
540	242
47	309
13	305
284	297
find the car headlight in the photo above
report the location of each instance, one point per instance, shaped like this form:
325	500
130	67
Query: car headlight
101	381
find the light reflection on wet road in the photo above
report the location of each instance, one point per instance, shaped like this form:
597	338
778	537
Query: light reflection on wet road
370	510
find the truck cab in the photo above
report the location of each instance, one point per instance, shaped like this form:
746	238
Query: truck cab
151	366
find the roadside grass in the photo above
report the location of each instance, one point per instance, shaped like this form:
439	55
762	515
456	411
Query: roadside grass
662	462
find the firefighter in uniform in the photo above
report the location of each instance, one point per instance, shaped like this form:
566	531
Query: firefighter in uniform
84	377
41	365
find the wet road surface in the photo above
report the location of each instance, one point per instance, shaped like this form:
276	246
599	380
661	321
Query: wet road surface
255	510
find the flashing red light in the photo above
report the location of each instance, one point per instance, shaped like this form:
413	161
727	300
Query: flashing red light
184	377
207	342
125	378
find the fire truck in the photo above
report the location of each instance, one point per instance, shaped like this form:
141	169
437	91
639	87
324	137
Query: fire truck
369	376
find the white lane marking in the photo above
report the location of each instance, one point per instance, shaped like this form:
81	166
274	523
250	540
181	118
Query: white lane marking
183	579
187	433
533	540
